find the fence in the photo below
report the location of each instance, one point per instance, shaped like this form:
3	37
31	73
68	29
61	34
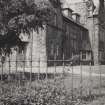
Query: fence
84	82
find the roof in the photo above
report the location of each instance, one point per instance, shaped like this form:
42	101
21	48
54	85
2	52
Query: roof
74	13
73	21
67	9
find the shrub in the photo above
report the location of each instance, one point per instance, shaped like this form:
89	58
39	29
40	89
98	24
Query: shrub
38	93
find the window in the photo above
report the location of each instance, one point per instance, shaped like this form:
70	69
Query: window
101	55
74	44
67	30
57	50
52	49
55	19
21	55
22	51
83	55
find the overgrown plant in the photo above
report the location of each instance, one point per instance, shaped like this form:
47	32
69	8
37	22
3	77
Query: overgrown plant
41	93
22	16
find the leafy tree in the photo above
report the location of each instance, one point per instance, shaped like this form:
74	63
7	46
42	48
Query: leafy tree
18	16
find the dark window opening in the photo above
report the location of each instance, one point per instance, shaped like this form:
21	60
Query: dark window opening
83	55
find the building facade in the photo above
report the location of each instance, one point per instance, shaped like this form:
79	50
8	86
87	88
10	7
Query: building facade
76	39
63	37
92	17
38	47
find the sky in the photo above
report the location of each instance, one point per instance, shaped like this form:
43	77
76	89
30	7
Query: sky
96	2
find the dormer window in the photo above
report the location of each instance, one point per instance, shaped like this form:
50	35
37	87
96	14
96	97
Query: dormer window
76	17
67	12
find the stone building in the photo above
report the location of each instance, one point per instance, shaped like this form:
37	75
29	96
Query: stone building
92	14
76	39
61	38
38	47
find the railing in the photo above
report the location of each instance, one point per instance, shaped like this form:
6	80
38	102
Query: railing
85	83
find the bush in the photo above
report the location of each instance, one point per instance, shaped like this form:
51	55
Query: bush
38	93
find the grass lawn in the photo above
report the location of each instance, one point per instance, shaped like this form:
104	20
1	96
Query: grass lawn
82	85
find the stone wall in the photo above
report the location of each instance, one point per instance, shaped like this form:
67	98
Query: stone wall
36	49
80	7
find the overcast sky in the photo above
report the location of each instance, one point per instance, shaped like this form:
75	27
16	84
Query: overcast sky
96	2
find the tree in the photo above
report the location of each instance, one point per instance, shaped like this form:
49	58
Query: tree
18	16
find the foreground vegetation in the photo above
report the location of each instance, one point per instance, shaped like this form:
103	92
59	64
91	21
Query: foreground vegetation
39	93
50	92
